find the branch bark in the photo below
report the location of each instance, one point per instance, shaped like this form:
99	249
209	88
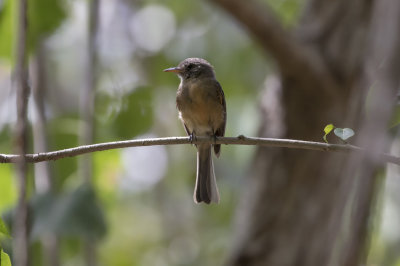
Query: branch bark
240	140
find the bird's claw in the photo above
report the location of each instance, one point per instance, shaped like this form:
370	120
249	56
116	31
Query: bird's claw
192	137
215	139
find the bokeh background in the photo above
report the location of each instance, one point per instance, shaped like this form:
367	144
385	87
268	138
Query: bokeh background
140	209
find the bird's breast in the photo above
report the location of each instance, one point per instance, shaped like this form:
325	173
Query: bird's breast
199	107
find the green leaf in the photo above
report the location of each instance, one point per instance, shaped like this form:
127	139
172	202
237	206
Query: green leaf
395	120
344	133
327	130
4	259
3	229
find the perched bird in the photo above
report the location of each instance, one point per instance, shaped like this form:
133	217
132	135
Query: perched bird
202	109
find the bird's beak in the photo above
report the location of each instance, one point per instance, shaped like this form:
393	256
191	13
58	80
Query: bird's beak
176	70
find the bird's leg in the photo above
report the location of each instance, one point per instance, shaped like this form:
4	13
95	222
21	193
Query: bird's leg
214	136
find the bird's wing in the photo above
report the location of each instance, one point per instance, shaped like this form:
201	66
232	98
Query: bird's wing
220	131
186	129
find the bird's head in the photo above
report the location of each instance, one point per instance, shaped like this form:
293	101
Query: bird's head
193	68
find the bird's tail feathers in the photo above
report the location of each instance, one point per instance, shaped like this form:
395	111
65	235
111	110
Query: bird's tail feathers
206	189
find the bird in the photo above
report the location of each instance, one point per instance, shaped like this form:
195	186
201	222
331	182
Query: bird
200	101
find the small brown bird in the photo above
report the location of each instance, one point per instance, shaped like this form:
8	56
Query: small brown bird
202	109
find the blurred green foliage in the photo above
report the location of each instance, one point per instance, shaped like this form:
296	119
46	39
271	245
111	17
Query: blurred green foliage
8	193
63	132
7	29
4	258
44	16
3	228
134	117
72	214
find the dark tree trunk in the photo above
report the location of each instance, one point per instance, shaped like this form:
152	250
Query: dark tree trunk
305	207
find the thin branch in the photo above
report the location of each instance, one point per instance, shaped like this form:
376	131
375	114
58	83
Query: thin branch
292	55
240	140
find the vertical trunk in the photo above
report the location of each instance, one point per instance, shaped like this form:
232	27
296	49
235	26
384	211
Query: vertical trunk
87	113
305	207
43	181
20	227
87	98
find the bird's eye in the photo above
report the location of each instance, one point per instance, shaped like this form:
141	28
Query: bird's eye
190	66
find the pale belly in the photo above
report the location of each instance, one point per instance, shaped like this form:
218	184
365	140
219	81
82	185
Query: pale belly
202	118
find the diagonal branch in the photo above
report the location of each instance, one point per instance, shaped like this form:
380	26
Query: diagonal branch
240	140
293	56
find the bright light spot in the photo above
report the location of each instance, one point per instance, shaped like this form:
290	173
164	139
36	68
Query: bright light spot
153	27
114	43
143	167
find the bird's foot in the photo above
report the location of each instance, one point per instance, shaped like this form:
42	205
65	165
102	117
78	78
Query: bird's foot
192	137
214	138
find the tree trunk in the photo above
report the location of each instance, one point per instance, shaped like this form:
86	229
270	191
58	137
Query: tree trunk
306	207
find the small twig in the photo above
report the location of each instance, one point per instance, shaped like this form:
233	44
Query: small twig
240	140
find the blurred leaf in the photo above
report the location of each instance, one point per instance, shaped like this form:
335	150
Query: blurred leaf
80	214
327	130
6	133
64	134
44	17
74	214
3	229
7	29
288	10
4	259
8	193
395	121
44	220
107	169
344	133
136	116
